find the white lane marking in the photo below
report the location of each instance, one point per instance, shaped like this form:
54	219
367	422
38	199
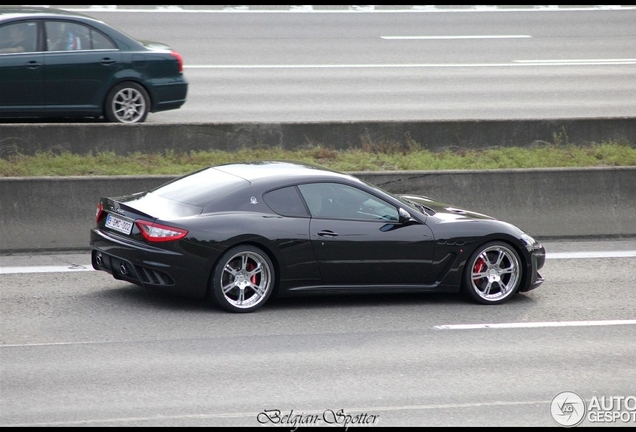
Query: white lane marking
518	63
594	254
355	10
45	269
438	327
79	268
575	61
535	325
454	37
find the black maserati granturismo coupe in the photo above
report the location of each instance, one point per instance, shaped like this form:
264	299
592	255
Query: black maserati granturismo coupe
239	233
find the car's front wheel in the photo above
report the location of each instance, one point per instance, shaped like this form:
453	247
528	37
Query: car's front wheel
127	102
493	273
243	279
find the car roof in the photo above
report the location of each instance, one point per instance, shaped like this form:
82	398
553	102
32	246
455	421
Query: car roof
10	12
264	171
15	13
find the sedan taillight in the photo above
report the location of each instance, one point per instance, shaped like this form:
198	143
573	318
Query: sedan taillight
154	232
179	59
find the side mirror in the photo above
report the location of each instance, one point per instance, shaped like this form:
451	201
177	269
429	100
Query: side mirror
404	216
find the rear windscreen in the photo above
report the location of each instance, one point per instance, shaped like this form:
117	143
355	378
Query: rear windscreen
201	188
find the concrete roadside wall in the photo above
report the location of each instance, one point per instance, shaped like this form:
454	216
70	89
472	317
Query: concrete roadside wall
87	138
57	213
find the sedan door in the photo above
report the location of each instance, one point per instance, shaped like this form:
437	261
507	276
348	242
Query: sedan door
81	65
358	239
20	69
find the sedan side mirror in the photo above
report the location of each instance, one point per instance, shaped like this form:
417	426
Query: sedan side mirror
404	216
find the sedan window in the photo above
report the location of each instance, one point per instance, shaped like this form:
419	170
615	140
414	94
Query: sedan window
19	37
339	201
68	36
100	41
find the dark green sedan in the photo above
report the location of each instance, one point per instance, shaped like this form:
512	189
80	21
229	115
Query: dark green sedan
60	64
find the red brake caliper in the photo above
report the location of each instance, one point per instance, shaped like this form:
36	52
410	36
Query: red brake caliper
479	266
250	267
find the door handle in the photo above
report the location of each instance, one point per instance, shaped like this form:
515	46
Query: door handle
327	233
107	61
33	64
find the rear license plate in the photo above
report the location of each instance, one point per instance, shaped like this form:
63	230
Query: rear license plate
118	224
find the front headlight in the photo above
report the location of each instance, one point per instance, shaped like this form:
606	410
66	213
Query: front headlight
530	243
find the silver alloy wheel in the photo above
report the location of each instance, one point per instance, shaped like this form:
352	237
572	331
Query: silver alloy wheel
495	273
246	280
129	105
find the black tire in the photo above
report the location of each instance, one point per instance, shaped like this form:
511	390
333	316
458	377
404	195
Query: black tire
493	273
243	279
127	102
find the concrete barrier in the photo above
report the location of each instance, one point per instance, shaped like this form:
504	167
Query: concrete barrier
56	213
93	138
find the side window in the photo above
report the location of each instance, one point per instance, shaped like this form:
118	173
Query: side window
55	31
68	36
338	201
18	37
100	41
286	202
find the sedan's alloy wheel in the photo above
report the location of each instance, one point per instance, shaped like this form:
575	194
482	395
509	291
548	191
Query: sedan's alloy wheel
127	103
243	280
493	273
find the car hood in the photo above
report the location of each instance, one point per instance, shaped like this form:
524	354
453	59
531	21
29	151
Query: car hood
445	211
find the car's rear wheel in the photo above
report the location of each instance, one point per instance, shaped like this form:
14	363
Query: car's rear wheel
493	273
127	102
243	279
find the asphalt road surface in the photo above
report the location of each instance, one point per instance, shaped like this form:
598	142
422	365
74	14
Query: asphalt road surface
403	63
79	348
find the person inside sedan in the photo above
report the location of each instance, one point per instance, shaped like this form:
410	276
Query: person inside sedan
65	37
55	36
13	39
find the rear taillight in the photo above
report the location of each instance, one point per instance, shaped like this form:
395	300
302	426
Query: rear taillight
99	213
179	59
154	232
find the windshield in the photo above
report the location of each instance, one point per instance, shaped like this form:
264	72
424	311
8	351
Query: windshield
412	204
403	199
